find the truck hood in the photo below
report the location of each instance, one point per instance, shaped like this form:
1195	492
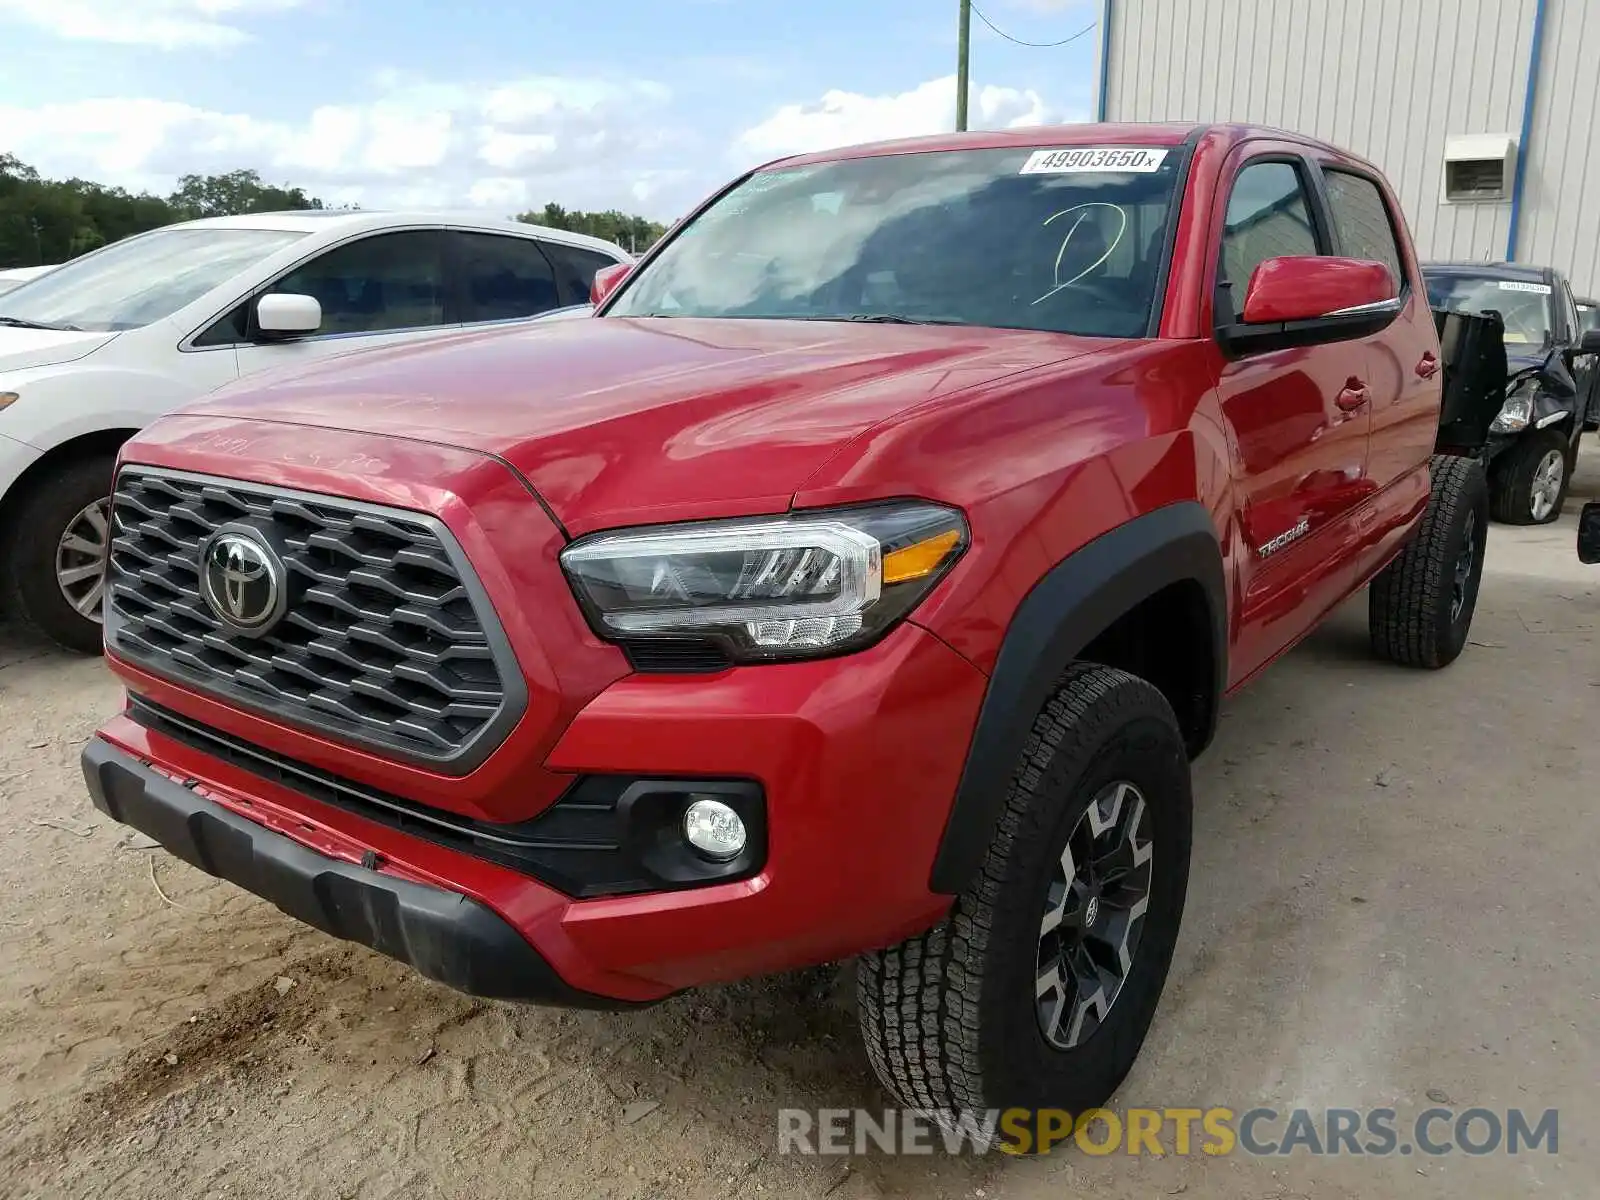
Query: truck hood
24	348
615	420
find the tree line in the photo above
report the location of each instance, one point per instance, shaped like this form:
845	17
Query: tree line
45	221
634	234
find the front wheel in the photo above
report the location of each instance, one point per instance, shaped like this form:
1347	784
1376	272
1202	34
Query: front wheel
1039	988
53	554
1529	482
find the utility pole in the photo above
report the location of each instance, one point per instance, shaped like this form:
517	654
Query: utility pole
963	48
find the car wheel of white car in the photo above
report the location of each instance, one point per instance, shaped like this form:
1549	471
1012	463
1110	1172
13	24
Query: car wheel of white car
81	558
53	553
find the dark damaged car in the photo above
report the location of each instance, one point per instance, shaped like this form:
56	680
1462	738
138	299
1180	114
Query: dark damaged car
1526	432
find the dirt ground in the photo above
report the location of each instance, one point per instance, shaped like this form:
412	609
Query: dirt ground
1392	904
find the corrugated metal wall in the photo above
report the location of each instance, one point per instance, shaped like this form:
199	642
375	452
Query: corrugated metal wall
1561	199
1390	79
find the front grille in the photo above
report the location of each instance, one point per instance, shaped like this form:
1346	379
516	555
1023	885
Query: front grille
387	640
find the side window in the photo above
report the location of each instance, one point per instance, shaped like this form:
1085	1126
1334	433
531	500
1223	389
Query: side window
1361	219
391	281
575	269
503	278
1269	216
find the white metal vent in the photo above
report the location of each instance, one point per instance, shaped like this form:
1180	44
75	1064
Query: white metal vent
1479	167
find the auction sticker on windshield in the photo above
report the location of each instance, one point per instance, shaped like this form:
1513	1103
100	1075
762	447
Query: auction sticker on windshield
1086	159
1516	285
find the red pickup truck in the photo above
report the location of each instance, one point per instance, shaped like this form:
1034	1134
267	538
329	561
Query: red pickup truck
859	581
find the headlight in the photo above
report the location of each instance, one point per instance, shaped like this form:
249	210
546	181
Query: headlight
767	588
1517	411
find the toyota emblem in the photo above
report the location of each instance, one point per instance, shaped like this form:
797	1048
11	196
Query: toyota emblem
242	580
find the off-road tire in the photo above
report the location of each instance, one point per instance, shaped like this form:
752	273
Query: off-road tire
29	593
1511	478
1412	610
949	1018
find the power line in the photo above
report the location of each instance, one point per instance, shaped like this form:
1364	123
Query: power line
1031	45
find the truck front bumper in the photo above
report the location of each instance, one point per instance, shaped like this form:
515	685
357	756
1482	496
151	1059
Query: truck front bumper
857	758
446	936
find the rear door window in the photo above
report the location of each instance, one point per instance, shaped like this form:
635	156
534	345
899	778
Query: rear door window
504	278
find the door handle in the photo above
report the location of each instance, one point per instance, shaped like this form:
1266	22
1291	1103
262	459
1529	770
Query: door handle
1353	396
1429	366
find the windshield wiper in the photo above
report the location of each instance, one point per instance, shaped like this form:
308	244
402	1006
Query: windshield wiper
892	319
19	323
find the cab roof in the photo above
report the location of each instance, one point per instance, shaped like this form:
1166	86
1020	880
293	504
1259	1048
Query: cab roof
339	221
1527	272
1127	133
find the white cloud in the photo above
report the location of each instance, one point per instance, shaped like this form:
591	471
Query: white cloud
843	118
167	24
583	142
509	151
506	145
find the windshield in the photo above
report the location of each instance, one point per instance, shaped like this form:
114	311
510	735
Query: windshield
1068	241
1526	307
140	280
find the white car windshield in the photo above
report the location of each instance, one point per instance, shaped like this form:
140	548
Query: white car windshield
140	280
1065	240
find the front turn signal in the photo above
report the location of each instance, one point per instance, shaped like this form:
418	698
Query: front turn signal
921	558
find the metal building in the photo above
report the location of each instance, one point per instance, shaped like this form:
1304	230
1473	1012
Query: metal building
1481	112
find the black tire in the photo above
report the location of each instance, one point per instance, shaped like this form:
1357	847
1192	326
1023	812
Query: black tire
952	1019
1419	608
1511	480
29	591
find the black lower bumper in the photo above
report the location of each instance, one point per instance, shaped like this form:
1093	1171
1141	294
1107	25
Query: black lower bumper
444	935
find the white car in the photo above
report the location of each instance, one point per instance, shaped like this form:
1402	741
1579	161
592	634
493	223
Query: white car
11	278
104	344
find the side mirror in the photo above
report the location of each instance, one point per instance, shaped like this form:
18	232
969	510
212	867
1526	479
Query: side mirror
1589	343
606	281
1307	300
287	314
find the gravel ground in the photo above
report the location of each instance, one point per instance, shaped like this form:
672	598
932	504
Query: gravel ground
1391	905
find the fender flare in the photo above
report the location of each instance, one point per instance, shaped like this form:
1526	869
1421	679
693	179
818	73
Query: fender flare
1071	605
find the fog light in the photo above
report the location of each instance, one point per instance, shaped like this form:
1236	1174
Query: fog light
713	829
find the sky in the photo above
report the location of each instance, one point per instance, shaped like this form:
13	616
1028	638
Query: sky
642	105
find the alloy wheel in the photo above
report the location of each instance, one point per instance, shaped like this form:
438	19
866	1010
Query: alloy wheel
1094	916
1548	477
81	558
